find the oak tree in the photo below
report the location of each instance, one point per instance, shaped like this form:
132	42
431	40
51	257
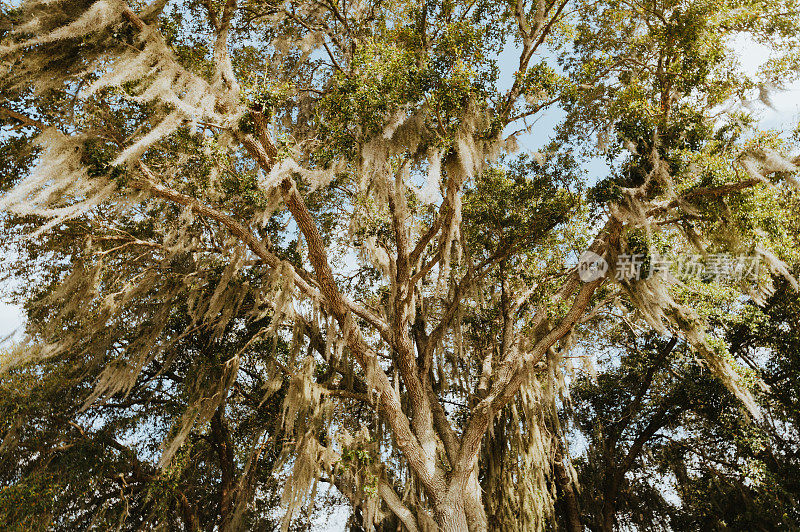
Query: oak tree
344	177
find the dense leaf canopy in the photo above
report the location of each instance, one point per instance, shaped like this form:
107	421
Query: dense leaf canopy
269	247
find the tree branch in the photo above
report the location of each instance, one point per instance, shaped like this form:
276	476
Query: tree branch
397	507
389	401
510	375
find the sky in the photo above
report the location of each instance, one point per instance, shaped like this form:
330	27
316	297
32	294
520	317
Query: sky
10	319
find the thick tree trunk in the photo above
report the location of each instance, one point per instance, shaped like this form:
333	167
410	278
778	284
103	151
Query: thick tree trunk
473	505
572	517
221	435
450	514
609	506
452	519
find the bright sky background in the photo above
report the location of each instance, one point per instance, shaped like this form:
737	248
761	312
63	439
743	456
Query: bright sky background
10	319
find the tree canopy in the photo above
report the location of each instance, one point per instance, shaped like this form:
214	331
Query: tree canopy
268	246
